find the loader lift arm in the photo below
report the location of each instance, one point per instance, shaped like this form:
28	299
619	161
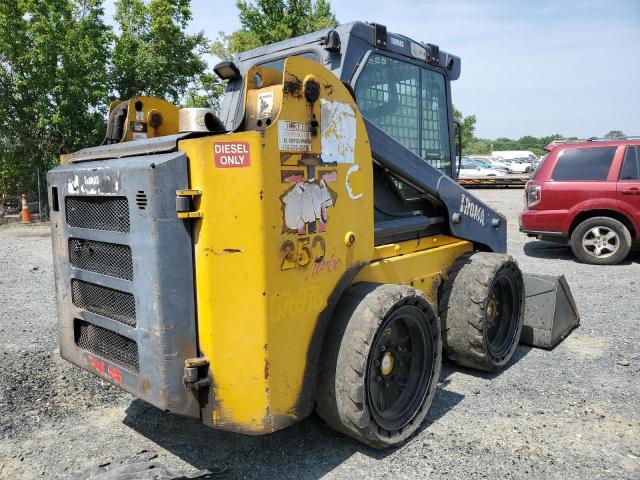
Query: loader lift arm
468	217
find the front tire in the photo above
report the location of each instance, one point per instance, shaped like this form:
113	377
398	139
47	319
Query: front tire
601	241
380	364
482	310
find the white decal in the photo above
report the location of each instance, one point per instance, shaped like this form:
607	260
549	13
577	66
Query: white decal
338	131
306	202
418	51
397	42
294	136
138	136
353	168
93	184
265	104
471	210
140	116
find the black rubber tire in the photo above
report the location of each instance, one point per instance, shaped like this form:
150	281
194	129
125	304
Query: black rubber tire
611	223
463	310
342	392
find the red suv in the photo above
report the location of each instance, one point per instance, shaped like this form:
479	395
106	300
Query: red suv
589	193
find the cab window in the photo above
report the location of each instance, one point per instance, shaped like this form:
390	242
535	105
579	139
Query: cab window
410	104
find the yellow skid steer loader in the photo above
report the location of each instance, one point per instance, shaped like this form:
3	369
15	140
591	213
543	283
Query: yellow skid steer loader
305	248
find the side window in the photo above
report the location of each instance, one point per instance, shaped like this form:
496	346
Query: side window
410	104
631	165
584	164
387	93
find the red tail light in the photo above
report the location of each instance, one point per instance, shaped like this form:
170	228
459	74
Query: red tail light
533	194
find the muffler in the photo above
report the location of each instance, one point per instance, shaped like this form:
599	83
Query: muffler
550	311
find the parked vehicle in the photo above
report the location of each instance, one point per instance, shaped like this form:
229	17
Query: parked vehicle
514	154
485	162
589	194
472	169
519	165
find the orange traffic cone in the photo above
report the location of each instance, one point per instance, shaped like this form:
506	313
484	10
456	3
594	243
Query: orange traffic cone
26	213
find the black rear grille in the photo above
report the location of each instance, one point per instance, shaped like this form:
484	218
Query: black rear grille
110	303
107	344
98	213
101	257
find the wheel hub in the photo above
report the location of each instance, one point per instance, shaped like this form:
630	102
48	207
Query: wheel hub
387	364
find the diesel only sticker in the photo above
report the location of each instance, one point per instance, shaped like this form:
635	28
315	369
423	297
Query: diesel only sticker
232	154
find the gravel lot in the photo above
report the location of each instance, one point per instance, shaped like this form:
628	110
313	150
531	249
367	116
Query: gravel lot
573	412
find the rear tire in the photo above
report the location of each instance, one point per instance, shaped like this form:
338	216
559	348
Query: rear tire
601	241
482	310
380	364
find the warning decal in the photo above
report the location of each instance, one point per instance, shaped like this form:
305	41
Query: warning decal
294	136
232	154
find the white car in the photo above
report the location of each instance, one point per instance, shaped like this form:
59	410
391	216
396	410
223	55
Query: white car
519	165
470	169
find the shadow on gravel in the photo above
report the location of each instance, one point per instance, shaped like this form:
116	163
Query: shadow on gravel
561	251
550	250
308	449
449	368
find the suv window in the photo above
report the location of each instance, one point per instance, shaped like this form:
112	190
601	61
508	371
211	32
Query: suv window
631	166
410	104
576	164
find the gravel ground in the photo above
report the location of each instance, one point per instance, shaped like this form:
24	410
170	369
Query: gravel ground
567	413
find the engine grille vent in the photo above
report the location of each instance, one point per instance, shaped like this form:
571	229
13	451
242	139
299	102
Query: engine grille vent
141	199
107	344
98	213
101	257
110	303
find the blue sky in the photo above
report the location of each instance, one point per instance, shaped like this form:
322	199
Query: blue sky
529	67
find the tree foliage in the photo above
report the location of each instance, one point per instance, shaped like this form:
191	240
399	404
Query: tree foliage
53	83
534	144
614	134
468	125
153	55
60	65
270	21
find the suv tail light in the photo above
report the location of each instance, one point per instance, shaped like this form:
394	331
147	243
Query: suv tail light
533	195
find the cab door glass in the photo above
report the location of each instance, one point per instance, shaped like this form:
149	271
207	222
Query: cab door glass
410	104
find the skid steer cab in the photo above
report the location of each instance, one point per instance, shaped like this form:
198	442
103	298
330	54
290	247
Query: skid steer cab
289	253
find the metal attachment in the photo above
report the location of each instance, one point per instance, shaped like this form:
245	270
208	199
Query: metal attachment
380	35
196	373
184	204
456	217
332	41
350	239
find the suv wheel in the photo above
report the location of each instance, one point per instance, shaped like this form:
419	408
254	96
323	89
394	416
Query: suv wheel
601	241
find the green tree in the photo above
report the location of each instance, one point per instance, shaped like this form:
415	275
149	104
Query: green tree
468	125
153	55
613	134
270	21
53	84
